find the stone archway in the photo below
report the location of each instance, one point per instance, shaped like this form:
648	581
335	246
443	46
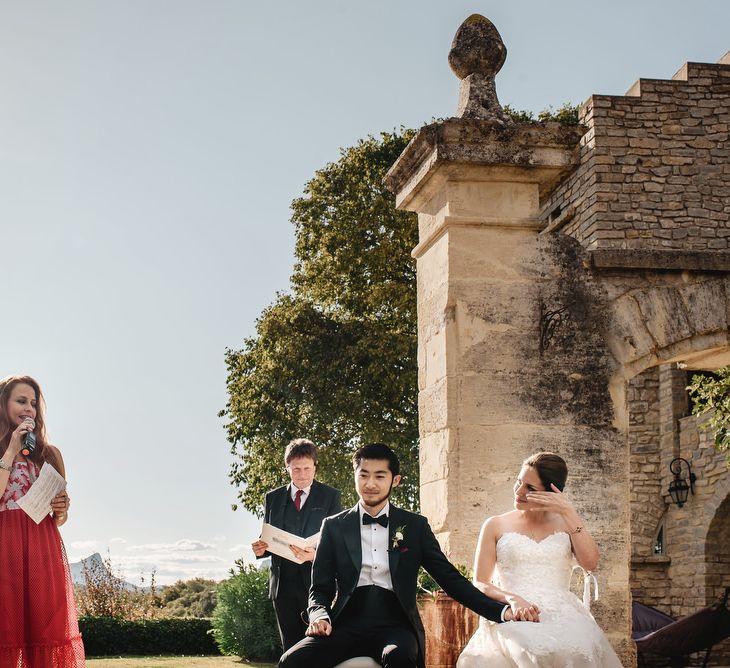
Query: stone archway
717	563
717	552
556	264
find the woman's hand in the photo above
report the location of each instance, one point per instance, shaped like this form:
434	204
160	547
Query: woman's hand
584	547
60	505
554	501
522	610
17	439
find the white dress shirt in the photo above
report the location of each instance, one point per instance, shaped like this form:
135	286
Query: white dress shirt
293	493
374	541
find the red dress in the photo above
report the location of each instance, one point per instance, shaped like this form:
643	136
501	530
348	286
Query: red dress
38	623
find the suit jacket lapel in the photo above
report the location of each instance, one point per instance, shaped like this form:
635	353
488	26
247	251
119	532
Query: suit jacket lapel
393	552
312	501
351	536
277	509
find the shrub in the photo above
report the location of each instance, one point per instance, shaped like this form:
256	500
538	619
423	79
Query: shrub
106	594
188	598
106	636
243	621
567	114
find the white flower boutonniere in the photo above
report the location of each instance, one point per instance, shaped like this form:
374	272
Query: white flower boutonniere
398	538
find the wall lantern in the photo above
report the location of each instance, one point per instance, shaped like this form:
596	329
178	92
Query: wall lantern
678	488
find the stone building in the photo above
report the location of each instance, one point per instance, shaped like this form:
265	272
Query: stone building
568	279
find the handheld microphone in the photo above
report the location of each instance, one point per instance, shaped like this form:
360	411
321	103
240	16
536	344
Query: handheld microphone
29	442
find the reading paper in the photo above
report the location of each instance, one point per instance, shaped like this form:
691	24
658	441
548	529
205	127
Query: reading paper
37	501
280	540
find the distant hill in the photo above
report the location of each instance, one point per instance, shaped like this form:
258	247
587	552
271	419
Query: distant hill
94	563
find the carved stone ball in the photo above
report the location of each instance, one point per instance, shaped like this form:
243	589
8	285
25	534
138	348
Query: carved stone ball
477	48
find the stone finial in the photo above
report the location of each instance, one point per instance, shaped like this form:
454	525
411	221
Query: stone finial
477	54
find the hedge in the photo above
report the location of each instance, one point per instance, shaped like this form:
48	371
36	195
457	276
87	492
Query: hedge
107	636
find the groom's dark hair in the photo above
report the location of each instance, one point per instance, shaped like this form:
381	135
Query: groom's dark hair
377	451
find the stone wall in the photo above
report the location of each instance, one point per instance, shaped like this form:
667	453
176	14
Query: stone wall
555	275
654	169
647	504
694	566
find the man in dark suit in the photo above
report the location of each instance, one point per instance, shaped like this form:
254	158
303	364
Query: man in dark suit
298	508
369	558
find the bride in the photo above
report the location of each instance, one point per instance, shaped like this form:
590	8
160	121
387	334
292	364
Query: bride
524	558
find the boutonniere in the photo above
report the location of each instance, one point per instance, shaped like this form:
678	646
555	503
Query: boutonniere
398	538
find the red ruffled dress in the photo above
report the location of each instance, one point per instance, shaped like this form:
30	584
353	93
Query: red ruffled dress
38	623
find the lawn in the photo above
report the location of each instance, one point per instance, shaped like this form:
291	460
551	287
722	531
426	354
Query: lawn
174	662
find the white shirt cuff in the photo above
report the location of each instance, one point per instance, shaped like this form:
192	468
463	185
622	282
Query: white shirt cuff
504	611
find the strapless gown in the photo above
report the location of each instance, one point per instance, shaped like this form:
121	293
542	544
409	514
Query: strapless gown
567	636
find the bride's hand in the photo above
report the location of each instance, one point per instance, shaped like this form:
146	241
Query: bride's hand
522	610
554	501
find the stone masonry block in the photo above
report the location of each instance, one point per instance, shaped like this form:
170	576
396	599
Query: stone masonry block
665	316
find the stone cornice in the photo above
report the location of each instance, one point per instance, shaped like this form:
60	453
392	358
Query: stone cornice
536	152
670	260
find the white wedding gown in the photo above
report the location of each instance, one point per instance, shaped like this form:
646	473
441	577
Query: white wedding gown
567	636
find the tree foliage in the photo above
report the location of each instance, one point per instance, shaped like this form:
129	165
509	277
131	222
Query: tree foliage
188	598
243	621
334	359
710	395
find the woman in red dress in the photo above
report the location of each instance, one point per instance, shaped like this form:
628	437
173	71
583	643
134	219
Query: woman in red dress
38	623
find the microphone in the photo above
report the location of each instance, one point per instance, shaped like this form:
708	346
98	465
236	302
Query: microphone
29	442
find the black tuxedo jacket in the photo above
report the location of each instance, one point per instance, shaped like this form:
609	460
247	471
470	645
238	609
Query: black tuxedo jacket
337	564
322	502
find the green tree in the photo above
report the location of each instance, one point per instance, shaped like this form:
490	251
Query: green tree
243	620
710	395
334	360
188	598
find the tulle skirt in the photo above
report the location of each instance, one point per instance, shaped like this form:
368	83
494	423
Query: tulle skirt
38	623
567	636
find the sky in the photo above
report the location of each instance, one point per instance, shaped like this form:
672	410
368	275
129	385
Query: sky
149	152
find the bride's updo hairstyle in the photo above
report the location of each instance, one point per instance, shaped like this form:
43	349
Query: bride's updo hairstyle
551	468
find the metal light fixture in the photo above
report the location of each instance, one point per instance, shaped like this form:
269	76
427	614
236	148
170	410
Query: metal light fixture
678	488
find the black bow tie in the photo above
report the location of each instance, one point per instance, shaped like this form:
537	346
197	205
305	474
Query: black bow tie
382	520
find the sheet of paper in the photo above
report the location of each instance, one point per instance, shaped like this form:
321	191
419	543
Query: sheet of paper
37	501
280	540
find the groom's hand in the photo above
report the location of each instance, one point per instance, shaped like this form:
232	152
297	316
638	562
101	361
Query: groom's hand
319	628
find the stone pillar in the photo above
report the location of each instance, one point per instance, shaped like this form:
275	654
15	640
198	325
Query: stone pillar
480	269
512	358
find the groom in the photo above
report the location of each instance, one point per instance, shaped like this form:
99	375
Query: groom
368	557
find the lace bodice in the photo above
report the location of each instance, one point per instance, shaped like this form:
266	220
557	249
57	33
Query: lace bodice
526	566
21	478
566	637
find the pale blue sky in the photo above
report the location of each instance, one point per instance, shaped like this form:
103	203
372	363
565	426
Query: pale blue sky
149	151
